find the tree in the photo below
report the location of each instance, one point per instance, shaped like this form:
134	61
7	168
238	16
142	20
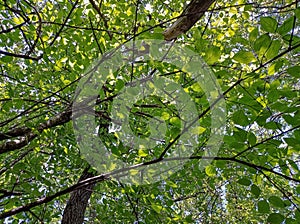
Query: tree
46	49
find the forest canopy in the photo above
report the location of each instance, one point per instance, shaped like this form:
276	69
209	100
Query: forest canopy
231	129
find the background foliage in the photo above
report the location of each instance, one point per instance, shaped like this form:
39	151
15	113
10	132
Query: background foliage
253	48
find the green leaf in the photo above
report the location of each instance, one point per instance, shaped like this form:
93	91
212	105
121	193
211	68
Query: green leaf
198	130
172	87
294	71
157	36
293	165
297	13
240	118
171	184
244	57
275	218
286	26
220	164
142	153
119	84
212	54
268	24
276	201
263	206
297	215
251	138
290	120
290	221
255	190
253	35
244	181
6	59
240	135
175	121
272	125
262	43
273	49
133	91
210	170
293	142
157	208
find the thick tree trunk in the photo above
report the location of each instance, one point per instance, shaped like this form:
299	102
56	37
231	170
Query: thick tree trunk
76	206
190	15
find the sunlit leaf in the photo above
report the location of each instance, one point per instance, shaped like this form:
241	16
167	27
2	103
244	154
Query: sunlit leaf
156	208
210	170
212	54
244	57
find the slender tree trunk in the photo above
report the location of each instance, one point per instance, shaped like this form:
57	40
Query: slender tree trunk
76	206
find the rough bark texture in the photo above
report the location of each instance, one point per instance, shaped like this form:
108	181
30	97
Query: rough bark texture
75	208
26	135
190	15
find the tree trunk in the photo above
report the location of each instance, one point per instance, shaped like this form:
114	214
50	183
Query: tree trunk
76	206
190	15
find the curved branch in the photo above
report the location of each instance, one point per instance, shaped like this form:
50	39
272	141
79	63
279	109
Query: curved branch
120	172
20	55
59	119
190	15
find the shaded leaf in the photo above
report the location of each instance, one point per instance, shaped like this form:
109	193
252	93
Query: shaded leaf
240	118
255	190
262	43
275	218
244	181
286	26
251	138
294	71
263	206
268	24
276	201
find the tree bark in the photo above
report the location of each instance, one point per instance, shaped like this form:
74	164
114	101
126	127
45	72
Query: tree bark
26	135
190	15
76	206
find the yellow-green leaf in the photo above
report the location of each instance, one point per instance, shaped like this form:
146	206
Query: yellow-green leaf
244	57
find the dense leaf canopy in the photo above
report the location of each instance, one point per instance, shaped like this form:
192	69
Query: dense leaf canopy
253	48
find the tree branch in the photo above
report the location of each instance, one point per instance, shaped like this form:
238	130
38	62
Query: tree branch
59	119
107	176
190	15
20	55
